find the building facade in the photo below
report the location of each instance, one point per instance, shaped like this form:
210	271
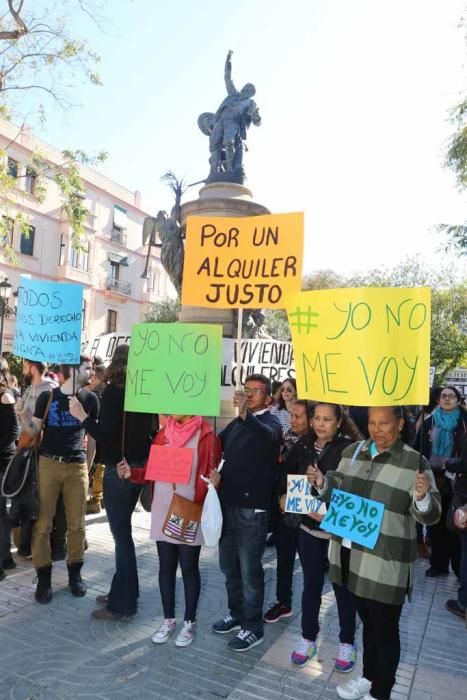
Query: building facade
111	263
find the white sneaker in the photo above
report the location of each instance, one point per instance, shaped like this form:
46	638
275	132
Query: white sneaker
186	634
354	689
164	631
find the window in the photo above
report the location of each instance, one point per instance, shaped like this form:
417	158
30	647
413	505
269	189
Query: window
79	257
114	271
6	231
12	167
27	241
61	250
111	321
30	180
83	316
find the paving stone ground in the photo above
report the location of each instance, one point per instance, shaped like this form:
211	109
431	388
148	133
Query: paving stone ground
56	652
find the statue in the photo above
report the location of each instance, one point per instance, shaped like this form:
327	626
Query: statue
227	129
170	236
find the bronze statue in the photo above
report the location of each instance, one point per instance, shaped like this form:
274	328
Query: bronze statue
227	129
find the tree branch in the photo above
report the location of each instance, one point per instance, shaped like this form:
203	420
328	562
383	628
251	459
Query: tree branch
21	29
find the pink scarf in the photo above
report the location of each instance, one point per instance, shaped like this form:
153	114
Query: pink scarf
178	434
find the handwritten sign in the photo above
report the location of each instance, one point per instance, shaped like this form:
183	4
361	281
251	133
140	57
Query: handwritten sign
356	518
48	321
242	262
273	358
364	347
299	498
174	368
172	464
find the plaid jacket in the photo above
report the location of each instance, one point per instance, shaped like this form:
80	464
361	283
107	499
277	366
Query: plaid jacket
385	573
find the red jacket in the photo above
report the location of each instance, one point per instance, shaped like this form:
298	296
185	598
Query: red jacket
209	455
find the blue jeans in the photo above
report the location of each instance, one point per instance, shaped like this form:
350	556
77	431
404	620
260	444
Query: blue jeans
121	497
462	593
240	550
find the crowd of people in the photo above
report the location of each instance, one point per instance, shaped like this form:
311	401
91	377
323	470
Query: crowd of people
74	419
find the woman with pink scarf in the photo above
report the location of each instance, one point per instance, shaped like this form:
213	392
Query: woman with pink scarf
196	433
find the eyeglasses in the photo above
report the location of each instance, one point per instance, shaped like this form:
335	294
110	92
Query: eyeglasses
249	392
447	396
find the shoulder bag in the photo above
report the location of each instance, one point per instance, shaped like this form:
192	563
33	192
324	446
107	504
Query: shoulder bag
183	519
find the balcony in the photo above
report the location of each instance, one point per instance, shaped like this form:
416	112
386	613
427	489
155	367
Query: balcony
118	286
118	235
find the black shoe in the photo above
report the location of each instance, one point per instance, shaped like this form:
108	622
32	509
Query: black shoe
244	640
454	607
9	564
227	624
432	572
44	587
76	583
2	575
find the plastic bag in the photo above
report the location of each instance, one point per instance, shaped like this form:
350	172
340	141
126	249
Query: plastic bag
211	518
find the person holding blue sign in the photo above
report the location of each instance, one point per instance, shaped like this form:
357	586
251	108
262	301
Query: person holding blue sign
382	470
331	432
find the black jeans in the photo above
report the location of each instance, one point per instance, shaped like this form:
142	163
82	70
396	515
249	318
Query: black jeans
445	544
240	550
5	526
121	497
313	555
286	547
462	592
188	556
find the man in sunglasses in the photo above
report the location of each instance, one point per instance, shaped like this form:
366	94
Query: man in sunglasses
251	445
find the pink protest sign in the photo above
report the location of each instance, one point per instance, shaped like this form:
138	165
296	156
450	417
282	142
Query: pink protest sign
172	464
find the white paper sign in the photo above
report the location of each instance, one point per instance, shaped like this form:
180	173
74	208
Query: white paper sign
299	498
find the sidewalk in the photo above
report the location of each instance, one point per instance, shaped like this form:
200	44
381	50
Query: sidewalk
55	652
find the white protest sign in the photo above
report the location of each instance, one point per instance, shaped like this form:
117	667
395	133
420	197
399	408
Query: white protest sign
299	498
273	358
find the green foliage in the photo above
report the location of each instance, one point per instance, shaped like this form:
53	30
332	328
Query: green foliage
15	364
448	300
165	311
456	156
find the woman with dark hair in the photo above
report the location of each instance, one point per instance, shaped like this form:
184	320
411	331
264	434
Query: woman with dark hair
442	432
285	396
9	431
331	432
113	432
385	469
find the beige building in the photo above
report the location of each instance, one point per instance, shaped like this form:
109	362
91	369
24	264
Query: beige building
111	266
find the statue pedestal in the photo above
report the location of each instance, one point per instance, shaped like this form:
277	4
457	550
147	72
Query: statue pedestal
219	199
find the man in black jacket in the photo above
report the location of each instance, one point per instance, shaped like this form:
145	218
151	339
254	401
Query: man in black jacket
251	446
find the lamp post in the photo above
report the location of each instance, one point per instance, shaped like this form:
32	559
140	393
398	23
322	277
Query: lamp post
5	291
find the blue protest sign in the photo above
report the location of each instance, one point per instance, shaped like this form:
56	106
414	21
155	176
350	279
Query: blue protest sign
356	518
299	498
48	321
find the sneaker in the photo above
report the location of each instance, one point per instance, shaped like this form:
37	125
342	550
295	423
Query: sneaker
186	635
454	607
304	652
277	611
345	658
354	689
164	631
227	624
244	640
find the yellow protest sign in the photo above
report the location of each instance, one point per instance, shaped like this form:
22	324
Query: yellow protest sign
242	262
364	347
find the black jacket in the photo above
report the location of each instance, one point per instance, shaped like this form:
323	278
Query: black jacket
302	454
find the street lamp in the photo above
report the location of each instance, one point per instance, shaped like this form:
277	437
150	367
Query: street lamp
5	291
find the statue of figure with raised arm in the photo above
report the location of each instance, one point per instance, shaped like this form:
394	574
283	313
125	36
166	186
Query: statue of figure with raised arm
227	129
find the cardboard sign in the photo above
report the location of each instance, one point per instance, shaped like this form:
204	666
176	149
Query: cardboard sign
171	464
353	517
364	347
299	497
242	262
48	321
273	358
174	368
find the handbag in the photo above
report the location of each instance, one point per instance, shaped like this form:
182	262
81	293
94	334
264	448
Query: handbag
183	519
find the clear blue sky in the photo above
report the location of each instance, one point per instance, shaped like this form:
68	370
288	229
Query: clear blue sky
353	96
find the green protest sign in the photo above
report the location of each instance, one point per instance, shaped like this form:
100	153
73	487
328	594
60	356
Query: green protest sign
174	368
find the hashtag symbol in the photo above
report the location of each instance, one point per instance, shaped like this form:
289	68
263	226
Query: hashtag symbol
303	319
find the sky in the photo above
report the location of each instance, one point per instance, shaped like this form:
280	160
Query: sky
354	97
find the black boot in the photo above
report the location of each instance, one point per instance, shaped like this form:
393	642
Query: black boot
44	587
76	583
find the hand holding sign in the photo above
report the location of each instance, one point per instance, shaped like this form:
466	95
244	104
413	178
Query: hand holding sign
315	476
422	486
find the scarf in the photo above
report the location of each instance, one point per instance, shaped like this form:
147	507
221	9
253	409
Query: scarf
178	434
444	423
